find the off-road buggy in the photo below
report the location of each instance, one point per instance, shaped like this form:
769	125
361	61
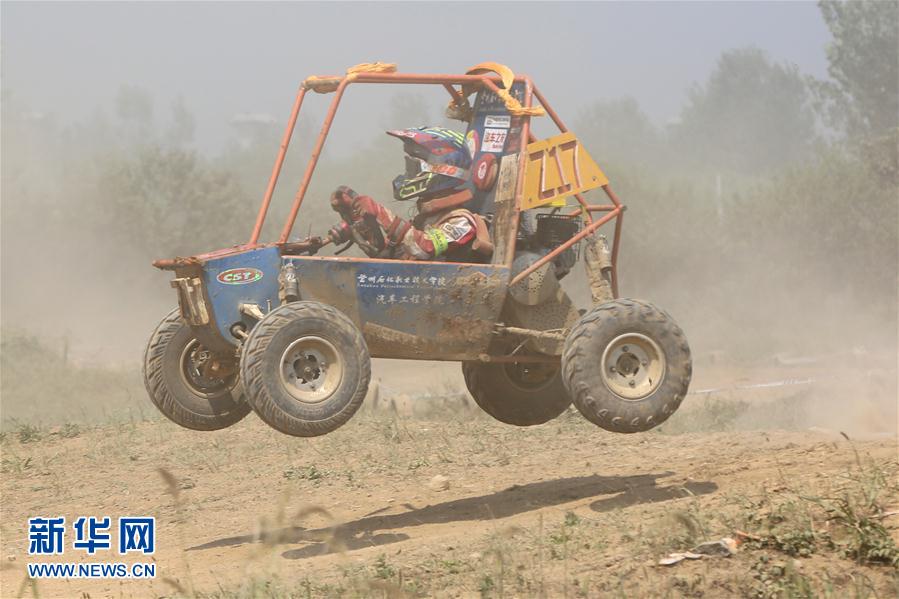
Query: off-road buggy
272	328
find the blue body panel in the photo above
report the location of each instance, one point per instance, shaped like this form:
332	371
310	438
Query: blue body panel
227	298
417	310
423	310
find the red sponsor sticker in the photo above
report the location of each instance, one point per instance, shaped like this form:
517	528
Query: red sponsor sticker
239	276
494	140
485	172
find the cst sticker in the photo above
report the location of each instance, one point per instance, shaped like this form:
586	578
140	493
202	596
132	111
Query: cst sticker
494	140
503	121
239	276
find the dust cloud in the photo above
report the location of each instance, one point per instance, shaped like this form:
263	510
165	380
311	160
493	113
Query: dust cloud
768	231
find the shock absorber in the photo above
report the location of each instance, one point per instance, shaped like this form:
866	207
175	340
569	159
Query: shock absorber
598	264
288	285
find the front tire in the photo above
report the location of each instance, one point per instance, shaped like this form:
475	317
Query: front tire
515	393
177	387
627	366
305	368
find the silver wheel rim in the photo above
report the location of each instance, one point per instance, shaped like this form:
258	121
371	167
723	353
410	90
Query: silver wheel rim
633	366
311	369
193	358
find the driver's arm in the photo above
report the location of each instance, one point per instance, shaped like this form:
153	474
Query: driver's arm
395	232
361	215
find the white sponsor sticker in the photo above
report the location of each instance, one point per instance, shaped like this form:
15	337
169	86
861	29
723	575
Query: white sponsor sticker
498	120
494	140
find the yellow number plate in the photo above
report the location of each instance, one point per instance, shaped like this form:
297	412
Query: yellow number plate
558	167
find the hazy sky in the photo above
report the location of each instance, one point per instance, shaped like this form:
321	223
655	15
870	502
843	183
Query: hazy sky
226	58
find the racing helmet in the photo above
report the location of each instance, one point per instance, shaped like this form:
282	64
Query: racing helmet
437	160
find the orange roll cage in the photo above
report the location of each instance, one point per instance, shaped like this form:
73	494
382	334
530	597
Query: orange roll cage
615	210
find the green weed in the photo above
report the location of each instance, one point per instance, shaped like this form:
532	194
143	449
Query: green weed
311	473
14	464
857	506
28	433
69	430
779	579
382	569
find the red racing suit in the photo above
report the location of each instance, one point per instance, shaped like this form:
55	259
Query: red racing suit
381	234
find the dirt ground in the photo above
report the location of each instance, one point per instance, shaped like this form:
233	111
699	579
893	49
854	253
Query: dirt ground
562	509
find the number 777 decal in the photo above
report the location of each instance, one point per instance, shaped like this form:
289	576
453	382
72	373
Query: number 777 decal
558	167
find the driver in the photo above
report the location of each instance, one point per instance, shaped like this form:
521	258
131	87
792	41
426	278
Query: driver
437	163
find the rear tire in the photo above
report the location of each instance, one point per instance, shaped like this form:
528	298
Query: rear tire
177	388
518	394
306	369
627	366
